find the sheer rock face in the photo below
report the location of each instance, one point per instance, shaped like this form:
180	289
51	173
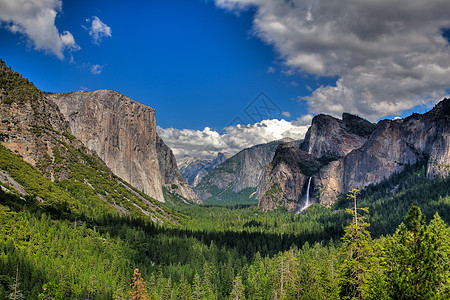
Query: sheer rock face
243	170
171	176
252	166
439	162
333	137
283	182
370	157
193	168
123	133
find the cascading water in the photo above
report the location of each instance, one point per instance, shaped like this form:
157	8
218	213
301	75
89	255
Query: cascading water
307	195
307	204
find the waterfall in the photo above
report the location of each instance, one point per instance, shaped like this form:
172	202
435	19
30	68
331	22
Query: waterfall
307	195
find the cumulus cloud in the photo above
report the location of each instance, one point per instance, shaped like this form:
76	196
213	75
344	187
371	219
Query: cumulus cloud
303	120
207	143
388	55
96	69
36	20
98	30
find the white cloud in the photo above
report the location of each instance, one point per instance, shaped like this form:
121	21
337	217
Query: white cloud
98	30
303	120
388	55
207	143
36	20
96	69
286	114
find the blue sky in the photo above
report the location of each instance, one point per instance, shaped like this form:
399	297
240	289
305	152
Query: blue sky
196	64
203	64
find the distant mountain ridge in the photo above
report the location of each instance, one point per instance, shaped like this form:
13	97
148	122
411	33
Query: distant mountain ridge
353	153
237	178
195	168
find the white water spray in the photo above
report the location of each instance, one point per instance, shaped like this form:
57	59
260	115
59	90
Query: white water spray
307	196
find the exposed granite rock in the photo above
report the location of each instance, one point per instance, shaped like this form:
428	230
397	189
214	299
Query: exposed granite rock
394	144
329	182
439	161
33	128
31	125
170	174
284	183
123	133
367	155
242	171
252	165
328	136
193	168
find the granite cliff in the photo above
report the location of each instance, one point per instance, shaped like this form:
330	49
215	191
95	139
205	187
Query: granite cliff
353	153
237	178
284	179
330	137
123	134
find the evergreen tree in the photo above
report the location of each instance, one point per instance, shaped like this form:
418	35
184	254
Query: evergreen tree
418	258
197	292
238	291
356	253
440	239
16	292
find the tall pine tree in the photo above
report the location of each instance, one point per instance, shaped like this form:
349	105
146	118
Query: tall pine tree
356	254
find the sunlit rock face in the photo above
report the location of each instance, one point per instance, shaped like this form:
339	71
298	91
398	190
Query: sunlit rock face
353	153
123	133
333	137
242	171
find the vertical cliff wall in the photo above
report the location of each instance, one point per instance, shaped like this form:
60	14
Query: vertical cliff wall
123	133
353	153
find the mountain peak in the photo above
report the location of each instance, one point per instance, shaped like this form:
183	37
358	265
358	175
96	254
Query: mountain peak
440	110
358	125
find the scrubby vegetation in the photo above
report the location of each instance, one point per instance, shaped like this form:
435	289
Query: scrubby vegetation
15	88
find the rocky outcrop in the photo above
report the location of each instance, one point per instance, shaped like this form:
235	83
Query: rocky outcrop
31	125
367	155
331	137
439	161
284	179
241	172
170	175
123	133
195	168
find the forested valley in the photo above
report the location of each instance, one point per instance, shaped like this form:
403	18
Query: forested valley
50	250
